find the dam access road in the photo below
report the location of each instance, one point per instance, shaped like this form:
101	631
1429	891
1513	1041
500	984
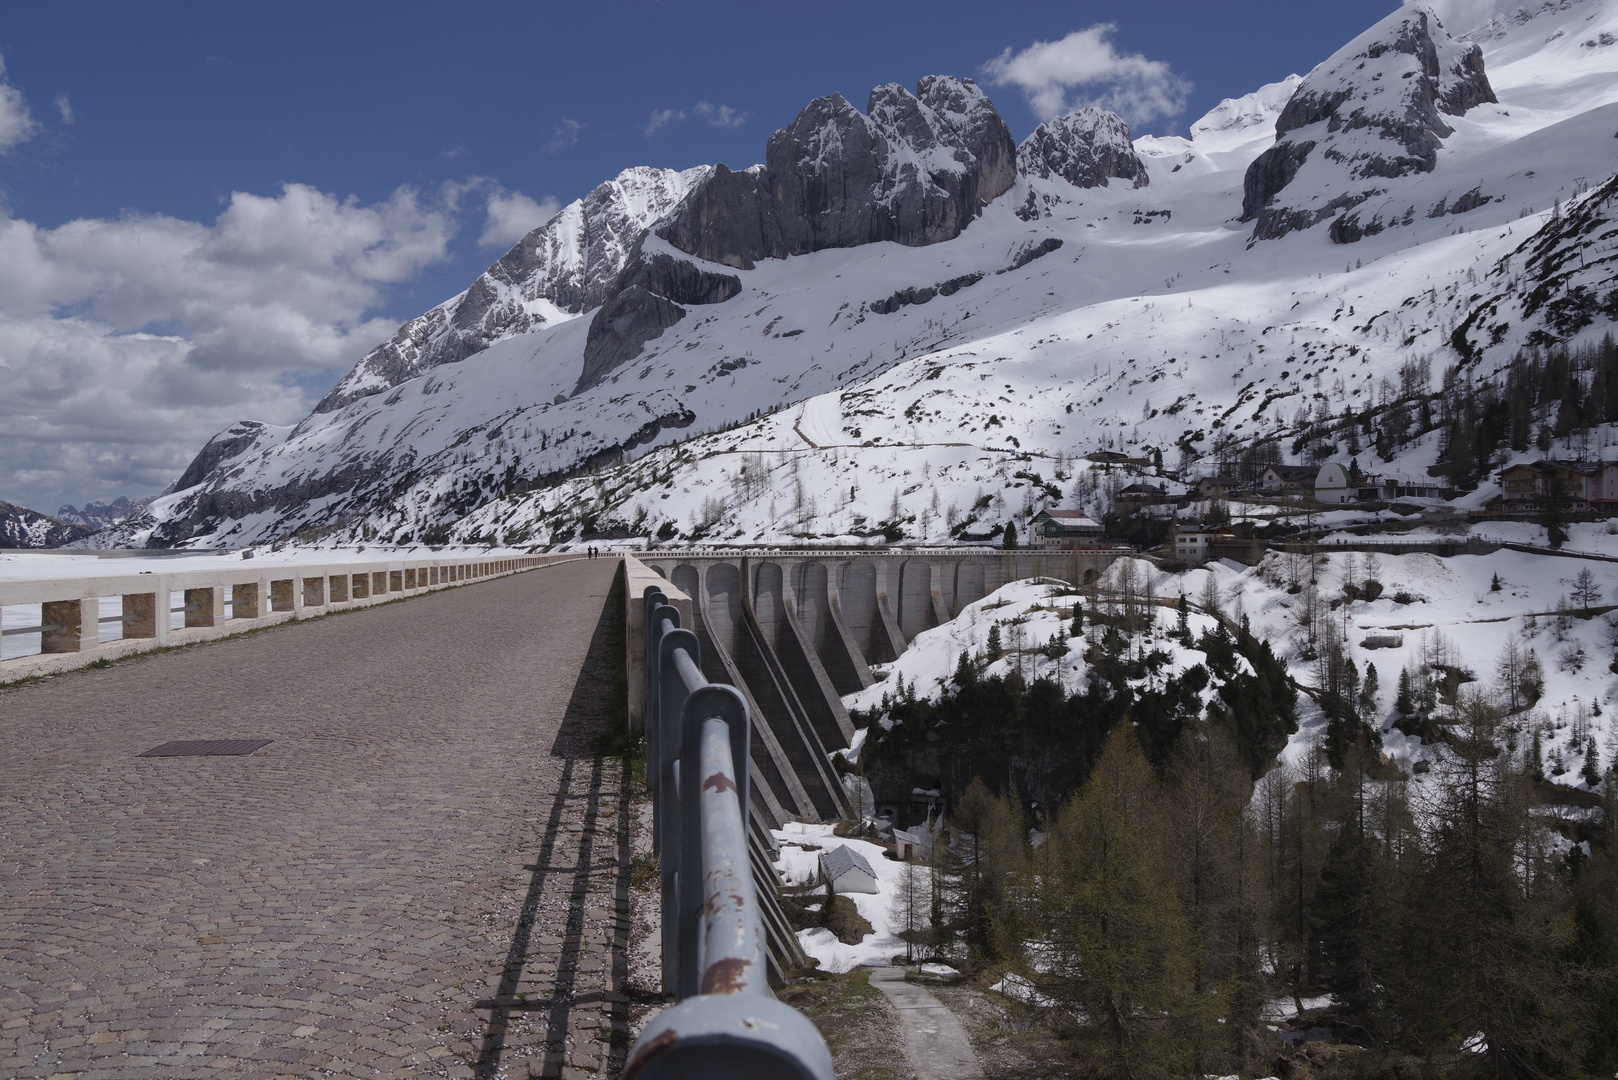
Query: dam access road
425	872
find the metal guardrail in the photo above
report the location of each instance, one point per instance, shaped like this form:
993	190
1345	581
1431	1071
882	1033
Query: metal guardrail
726	1023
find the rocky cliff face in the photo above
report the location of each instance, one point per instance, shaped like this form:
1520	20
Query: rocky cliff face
98	514
914	168
563	268
1087	148
1373	111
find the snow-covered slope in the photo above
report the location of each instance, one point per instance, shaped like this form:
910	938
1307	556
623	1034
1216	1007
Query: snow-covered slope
555	273
892	379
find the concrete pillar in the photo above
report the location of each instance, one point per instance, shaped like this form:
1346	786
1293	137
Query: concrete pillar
205	606
314	592
281	595
146	615
70	626
244	600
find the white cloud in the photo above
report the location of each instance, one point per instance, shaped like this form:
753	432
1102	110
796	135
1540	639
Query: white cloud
721	116
510	215
662	118
1086	64
17	124
65	107
565	135
125	343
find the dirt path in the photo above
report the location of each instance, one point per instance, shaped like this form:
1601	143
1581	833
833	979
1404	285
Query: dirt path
934	1041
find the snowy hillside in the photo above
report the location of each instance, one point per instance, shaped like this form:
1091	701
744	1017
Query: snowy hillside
924	367
21	527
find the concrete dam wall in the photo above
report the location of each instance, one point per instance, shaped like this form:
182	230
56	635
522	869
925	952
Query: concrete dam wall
795	632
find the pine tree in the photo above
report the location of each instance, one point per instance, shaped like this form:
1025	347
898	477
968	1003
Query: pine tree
996	857
909	907
1116	938
994	646
966	672
1212	848
1489	920
1369	693
1586	589
1010	540
1403	704
1077	629
1182	623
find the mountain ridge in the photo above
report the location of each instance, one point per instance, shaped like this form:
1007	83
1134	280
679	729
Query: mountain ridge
518	415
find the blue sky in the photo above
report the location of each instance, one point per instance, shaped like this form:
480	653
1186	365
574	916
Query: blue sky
418	137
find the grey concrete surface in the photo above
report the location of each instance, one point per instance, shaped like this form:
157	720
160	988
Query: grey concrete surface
424	874
934	1041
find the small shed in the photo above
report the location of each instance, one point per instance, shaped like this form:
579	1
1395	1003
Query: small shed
847	870
906	845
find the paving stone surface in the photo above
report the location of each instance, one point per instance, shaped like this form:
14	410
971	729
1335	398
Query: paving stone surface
424	874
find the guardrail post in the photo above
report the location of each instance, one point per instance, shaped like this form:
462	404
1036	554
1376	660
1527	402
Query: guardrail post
69	626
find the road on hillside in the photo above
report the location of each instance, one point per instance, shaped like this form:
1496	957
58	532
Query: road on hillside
425	873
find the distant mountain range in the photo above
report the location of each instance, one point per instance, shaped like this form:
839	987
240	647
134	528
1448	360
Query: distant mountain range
21	527
903	319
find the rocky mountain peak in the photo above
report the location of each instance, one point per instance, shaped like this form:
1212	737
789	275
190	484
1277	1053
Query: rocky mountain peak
915	168
561	269
1086	148
1375	110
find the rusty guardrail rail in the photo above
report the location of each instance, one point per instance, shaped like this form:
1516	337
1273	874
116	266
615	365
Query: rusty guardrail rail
726	1022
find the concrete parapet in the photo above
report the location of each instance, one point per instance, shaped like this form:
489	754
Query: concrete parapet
70	607
637	578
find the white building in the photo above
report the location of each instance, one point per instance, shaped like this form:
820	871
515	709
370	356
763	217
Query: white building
847	870
1193	542
1332	485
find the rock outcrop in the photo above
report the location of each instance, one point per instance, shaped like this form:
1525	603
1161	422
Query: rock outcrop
1373	111
646	302
1087	148
915	169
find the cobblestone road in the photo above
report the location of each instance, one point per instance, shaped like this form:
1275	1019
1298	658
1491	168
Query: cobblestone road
425	874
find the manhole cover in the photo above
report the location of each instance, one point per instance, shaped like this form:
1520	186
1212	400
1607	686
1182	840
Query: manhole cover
206	748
